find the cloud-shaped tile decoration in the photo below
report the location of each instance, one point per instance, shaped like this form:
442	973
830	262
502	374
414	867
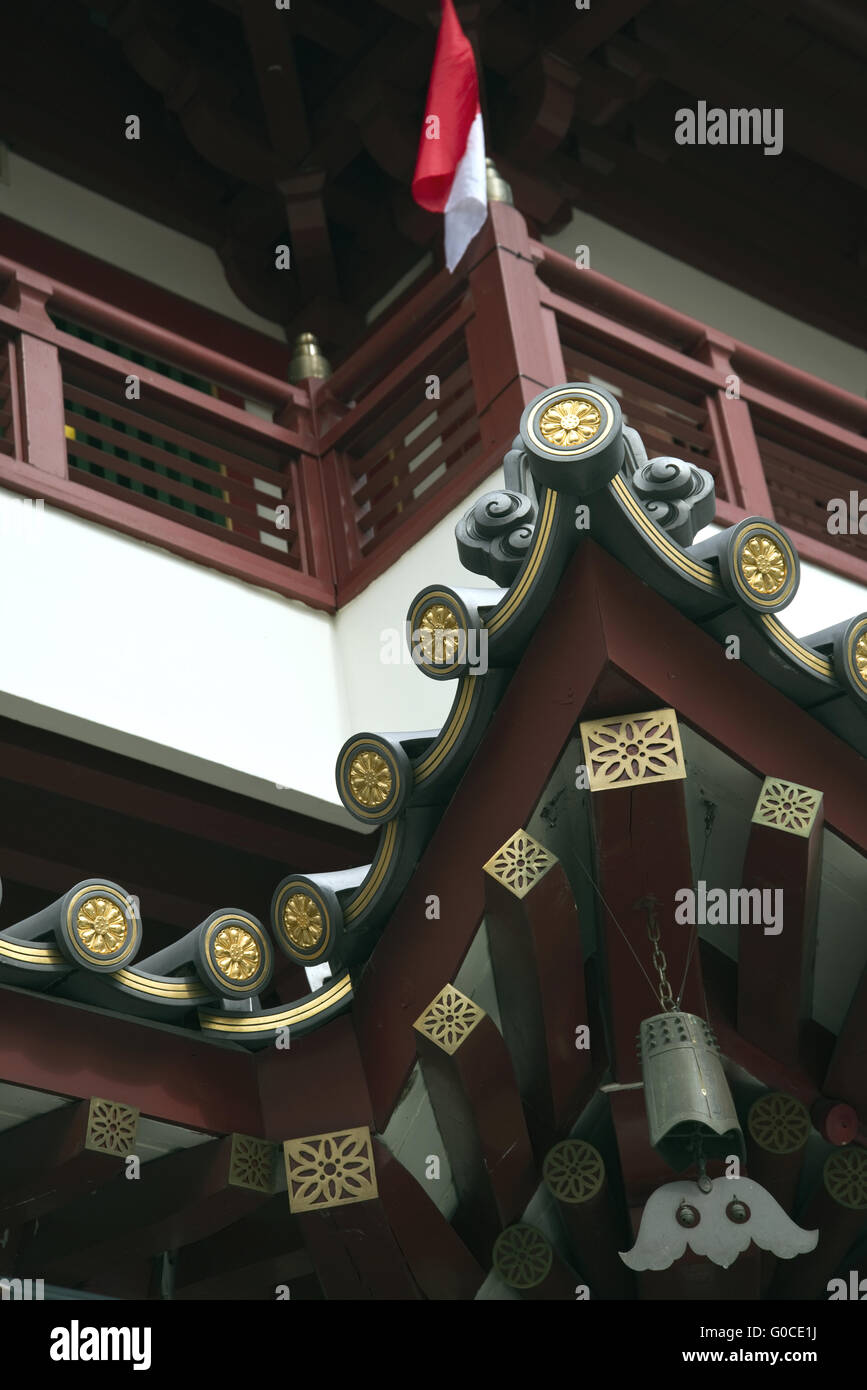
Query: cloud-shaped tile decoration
718	1224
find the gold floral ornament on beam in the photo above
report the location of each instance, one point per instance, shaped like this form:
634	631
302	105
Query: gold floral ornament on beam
236	953
636	748
251	1163
100	926
330	1170
438	634
520	863
787	806
845	1177
522	1256
763	564
302	921
779	1123
449	1019
370	778
111	1127
574	1171
570	422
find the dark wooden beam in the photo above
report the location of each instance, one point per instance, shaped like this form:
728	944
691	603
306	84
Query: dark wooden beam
269	40
525	1260
54	1158
846	1077
259	1279
599	599
293	1103
177	1199
196	93
643	861
837	1208
575	33
407	967
472	1088
441	1264
535	946
105	1055
809	124
338	1277
776	1134
775	963
577	1179
258	1252
91	776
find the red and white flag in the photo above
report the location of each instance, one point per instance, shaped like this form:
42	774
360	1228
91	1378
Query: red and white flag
450	169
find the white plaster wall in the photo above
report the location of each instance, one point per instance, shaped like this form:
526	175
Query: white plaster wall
822	599
215	678
127	646
398	697
94	224
671	281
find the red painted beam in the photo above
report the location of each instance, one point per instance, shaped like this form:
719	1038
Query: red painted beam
45	1163
642	849
535	945
441	1264
475	1099
775	968
612	618
315	1086
180	1198
56	1046
846	1078
513	763
260	1249
685	668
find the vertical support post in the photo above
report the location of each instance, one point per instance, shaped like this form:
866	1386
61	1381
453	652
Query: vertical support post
472	1088
42	392
513	344
734	437
39	379
336	503
775	961
535	949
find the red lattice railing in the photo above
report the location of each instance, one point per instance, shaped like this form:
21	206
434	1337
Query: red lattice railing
172	462
402	458
778	442
671	416
314	491
804	474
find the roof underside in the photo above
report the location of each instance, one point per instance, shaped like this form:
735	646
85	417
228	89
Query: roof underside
580	110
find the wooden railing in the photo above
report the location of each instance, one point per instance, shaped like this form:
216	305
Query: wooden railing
314	491
779	442
126	422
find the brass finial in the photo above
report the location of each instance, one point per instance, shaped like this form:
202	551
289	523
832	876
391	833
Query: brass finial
498	190
307	361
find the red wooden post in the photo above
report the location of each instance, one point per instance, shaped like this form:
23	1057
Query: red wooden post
732	426
513	344
535	948
775	962
472	1088
44	423
39	379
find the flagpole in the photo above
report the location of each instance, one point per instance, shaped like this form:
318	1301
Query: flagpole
469	15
